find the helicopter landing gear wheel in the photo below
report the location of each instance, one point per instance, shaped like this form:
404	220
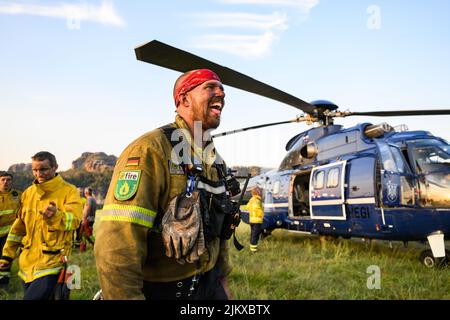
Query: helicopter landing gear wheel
429	261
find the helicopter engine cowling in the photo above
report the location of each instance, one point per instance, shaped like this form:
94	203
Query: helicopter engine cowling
377	130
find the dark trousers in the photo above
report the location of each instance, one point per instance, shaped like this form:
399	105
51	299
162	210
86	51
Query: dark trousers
206	287
4	275
255	232
41	288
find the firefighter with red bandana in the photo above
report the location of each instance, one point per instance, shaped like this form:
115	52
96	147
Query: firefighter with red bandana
130	249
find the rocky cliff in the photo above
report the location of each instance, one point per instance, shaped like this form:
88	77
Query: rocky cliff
94	162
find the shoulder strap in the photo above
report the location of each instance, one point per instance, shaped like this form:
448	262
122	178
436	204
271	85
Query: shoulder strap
167	130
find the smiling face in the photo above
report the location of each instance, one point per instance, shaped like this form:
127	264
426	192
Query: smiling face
205	103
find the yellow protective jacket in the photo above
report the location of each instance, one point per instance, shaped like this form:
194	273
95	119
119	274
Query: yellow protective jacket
255	209
9	204
44	241
128	249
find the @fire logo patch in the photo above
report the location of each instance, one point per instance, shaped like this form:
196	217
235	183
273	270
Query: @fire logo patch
127	184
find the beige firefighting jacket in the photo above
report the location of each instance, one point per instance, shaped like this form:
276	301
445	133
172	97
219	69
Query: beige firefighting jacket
128	249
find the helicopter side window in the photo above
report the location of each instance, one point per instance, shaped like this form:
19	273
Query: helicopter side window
333	178
361	177
402	166
319	178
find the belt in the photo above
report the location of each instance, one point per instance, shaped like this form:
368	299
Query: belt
181	289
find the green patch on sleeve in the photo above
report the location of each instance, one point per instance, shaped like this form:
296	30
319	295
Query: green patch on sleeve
127	184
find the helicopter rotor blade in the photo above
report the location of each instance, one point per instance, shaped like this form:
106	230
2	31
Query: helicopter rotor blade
163	55
298	119
398	113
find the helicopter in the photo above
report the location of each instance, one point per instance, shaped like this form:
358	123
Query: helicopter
368	181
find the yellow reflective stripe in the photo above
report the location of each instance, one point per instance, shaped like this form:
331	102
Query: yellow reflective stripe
127	219
4	230
6	212
14	238
5	273
22	275
46	272
126	213
69	220
131	208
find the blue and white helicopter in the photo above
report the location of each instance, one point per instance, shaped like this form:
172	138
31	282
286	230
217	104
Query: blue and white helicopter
370	181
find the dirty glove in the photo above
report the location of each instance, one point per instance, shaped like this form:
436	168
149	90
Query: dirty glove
199	247
181	226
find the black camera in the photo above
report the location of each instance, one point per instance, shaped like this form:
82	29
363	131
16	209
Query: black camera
232	185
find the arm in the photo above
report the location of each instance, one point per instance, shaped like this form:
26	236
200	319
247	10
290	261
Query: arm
86	210
13	241
121	239
67	219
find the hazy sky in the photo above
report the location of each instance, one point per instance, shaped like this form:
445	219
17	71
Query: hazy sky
70	82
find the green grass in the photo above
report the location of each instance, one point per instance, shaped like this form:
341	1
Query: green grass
292	266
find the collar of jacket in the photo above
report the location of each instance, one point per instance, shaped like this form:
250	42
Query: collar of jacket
198	152
6	193
48	186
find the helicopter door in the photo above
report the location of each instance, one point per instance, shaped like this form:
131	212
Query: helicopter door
327	192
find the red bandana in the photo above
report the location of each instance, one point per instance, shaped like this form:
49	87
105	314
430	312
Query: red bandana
194	79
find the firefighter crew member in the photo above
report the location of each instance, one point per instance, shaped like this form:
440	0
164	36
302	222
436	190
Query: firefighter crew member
9	204
256	215
87	223
50	212
129	250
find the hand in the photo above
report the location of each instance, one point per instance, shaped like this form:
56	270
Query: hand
50	210
4	265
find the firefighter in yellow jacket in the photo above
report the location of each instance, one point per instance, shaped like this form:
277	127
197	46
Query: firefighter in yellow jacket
256	215
43	231
9	204
130	254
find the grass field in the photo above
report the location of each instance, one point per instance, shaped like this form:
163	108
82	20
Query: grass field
291	266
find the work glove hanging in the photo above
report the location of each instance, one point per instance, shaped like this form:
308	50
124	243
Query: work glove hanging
182	229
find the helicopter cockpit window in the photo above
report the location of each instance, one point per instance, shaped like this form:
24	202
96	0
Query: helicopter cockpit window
432	160
319	178
431	155
333	178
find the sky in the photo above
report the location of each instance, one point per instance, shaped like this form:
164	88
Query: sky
70	81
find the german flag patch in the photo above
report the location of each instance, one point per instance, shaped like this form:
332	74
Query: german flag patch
133	161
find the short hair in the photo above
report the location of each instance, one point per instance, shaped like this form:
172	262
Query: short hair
256	191
6	174
45	155
88	190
